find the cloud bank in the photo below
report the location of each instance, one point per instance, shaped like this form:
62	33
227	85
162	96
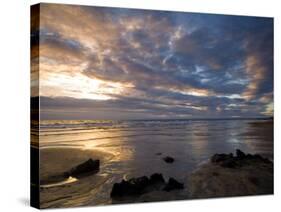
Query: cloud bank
113	63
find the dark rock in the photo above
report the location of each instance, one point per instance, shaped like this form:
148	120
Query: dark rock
156	179
239	154
225	160
173	185
88	167
168	159
140	182
216	158
158	153
132	187
255	157
249	156
122	189
241	159
138	186
258	157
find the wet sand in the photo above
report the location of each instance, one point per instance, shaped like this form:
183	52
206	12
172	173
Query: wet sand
212	181
54	162
208	181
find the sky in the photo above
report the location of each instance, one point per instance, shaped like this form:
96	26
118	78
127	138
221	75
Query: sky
114	63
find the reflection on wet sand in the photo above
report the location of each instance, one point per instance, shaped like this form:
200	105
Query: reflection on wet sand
64	182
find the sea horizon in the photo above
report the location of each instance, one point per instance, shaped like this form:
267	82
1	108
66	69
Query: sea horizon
167	119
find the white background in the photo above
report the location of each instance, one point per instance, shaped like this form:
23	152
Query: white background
14	103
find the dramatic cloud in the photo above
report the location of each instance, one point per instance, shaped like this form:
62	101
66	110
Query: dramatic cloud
112	63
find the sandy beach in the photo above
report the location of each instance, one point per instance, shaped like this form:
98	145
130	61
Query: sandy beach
53	163
213	181
209	180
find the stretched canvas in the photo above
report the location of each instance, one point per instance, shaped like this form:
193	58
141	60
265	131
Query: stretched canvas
131	105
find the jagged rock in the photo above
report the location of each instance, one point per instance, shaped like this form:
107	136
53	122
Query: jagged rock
122	189
141	185
257	158
225	160
88	167
140	182
168	159
156	179
173	185
216	158
132	187
241	159
239	154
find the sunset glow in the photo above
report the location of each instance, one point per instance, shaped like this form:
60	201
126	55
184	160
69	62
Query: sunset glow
80	86
153	64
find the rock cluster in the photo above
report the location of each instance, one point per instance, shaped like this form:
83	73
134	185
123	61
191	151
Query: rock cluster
241	159
172	185
141	185
88	167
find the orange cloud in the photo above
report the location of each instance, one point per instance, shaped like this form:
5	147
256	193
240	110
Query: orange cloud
256	72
